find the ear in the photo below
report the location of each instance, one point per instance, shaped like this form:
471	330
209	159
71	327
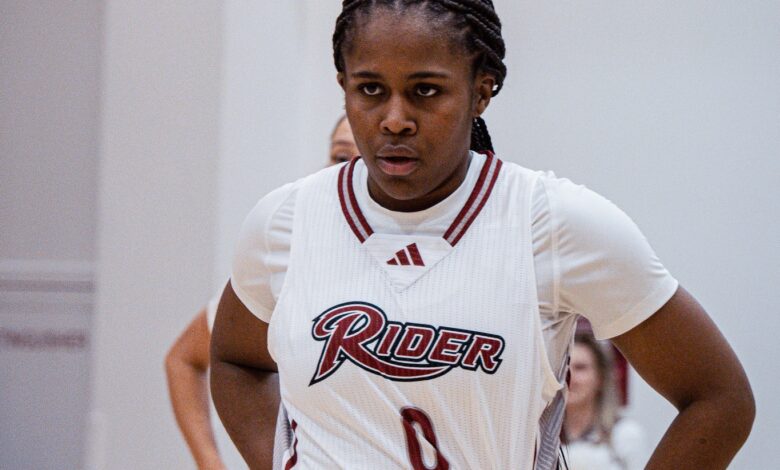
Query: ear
483	91
341	79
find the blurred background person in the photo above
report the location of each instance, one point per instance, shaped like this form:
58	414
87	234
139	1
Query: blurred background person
342	143
596	436
186	366
187	362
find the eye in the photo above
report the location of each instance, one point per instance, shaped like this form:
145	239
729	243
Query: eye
427	91
371	89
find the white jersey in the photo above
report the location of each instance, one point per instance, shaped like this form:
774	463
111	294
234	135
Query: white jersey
411	349
405	351
623	450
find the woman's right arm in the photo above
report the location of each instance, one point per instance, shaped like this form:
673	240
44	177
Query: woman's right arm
185	366
244	382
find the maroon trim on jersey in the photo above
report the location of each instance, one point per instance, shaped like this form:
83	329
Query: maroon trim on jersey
353	199
476	201
294	457
343	201
349	205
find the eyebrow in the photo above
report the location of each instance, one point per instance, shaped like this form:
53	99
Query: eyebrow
414	76
428	74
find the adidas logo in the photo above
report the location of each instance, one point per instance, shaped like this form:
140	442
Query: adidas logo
407	257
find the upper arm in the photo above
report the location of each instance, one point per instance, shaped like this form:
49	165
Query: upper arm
239	337
681	353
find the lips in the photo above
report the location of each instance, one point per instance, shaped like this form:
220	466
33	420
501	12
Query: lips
397	160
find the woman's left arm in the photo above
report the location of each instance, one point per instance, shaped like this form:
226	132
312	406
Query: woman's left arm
681	353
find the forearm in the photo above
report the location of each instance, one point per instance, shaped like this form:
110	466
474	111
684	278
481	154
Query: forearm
188	389
705	434
247	401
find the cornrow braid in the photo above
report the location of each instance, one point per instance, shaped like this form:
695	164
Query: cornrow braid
476	20
480	138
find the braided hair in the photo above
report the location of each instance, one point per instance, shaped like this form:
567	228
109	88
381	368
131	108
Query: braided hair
478	29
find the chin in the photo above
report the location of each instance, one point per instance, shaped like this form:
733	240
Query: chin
402	190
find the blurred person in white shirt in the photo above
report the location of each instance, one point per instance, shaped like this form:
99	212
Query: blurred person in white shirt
596	436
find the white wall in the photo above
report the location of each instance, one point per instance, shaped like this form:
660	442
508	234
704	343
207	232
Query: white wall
49	104
158	191
49	92
280	101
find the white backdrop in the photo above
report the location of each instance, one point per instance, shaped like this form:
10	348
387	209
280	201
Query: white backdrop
669	109
49	118
159	144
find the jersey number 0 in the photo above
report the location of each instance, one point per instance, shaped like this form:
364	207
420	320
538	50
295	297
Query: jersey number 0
409	417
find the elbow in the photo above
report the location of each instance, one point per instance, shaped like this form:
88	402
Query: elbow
728	409
745	405
743	401
738	412
173	362
169	363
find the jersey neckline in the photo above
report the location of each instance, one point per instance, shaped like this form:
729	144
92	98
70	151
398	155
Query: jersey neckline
478	197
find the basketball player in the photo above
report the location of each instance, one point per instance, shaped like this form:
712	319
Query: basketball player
186	363
419	302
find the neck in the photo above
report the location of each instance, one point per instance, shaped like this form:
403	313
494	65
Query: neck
578	420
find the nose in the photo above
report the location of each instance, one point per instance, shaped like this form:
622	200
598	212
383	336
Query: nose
397	119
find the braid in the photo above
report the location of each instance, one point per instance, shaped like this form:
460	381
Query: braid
480	138
475	20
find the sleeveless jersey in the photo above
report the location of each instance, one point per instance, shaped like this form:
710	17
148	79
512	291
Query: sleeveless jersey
412	351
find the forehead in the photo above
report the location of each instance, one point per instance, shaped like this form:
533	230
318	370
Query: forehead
582	354
404	41
343	132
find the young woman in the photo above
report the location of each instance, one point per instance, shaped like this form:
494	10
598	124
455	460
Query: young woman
187	362
596	436
419	302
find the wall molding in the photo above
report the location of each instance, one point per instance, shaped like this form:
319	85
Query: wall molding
20	275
